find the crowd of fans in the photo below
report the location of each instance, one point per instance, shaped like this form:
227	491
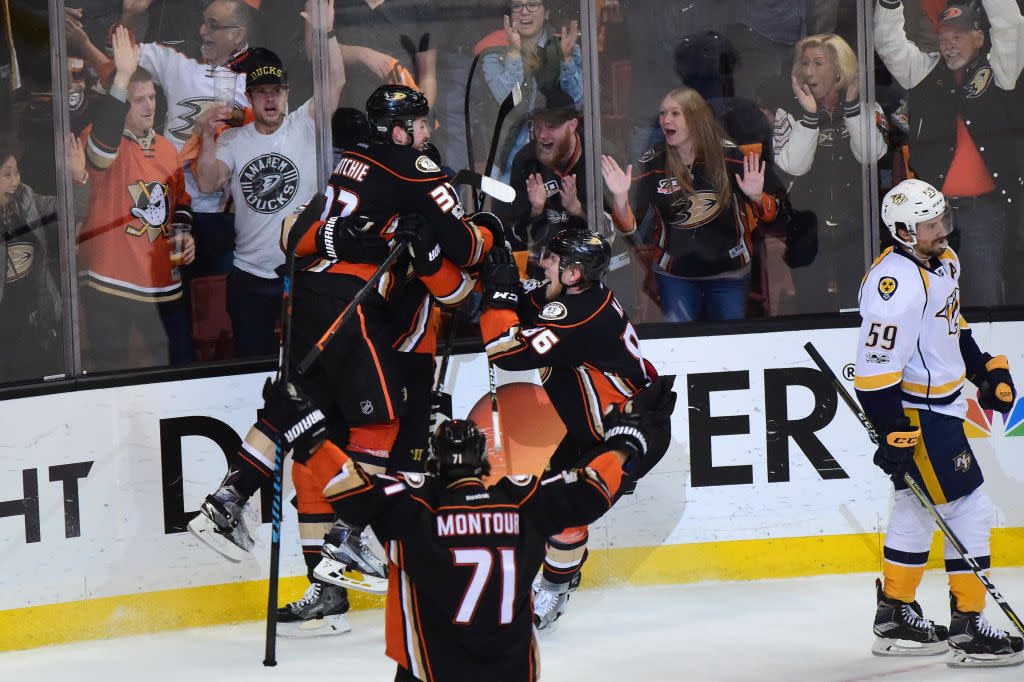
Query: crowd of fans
734	141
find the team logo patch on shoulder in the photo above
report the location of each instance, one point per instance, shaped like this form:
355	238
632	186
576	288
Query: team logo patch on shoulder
887	287
425	165
553	311
647	155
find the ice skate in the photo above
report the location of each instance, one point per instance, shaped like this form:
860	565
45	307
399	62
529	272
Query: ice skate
550	601
902	631
975	643
320	613
349	560
220	525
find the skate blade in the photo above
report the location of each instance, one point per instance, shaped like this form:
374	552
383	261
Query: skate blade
884	646
961	659
205	531
327	626
333	572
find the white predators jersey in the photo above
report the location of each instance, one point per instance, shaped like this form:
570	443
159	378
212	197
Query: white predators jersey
910	332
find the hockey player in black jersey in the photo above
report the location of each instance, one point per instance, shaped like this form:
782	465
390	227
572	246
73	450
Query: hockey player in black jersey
462	555
574	330
340	240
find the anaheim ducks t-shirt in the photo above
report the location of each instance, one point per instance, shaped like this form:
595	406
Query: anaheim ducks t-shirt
270	176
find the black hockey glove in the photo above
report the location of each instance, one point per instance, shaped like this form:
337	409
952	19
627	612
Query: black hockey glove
419	233
896	450
500	278
301	425
492	224
995	385
642	429
351	238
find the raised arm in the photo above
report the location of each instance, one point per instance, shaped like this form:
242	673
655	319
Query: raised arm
335	62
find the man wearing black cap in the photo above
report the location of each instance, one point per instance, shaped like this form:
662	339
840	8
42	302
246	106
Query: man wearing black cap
963	129
549	177
271	165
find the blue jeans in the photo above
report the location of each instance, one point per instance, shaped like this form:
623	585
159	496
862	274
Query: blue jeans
981	222
721	299
254	306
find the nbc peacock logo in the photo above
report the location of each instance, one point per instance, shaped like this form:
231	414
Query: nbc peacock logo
987	423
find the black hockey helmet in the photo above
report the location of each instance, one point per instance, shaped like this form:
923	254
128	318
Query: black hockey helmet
589	250
394	105
458	450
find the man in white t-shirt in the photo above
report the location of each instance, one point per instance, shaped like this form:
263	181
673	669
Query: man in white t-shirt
271	166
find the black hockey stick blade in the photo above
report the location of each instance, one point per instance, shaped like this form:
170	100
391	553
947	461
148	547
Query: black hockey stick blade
489	186
509	103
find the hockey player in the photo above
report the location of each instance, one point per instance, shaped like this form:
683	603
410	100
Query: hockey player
341	239
914	352
462	555
575	331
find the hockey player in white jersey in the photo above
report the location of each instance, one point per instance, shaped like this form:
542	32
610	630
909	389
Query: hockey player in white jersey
915	354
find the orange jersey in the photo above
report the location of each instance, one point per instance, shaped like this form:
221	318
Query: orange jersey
124	244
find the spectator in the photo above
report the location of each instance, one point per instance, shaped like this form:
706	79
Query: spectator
824	151
271	165
534	60
698	184
30	304
549	177
388	42
126	242
963	129
187	82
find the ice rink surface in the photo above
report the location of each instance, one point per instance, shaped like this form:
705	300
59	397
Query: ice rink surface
816	628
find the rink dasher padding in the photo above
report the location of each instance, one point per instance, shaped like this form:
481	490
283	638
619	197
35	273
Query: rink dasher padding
764	479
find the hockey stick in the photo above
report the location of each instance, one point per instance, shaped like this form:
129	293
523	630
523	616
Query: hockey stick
488	185
509	103
283	375
918	492
350	309
441	401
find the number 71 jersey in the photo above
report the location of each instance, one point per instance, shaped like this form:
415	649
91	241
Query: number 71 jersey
910	331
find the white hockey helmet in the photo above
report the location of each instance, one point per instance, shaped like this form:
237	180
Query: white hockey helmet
912	202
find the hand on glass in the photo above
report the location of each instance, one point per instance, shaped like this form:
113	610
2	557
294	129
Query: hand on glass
515	41
570	34
326	14
126	55
76	158
752	181
615	179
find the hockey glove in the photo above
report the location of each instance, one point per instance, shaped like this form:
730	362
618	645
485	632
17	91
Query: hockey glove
642	429
500	278
301	426
351	238
896	450
419	233
492	224
995	385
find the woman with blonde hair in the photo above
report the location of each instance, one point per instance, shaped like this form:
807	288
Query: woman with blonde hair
832	138
697	182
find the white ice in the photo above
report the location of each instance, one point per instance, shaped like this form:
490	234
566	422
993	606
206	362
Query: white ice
816	628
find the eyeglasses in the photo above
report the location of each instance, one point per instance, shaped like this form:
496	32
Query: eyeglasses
521	7
213	25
